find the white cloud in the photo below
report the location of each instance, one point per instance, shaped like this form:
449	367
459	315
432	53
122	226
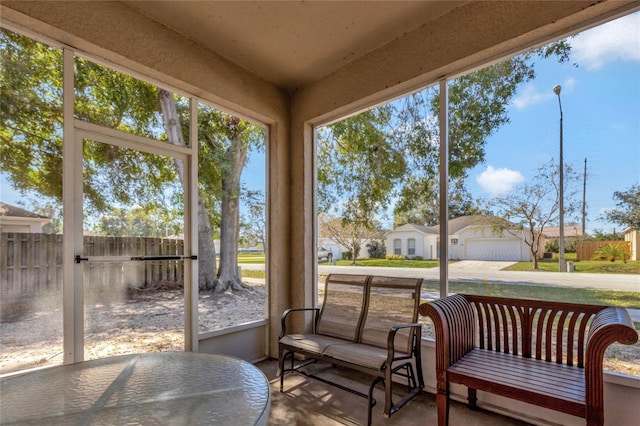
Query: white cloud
617	40
532	95
498	181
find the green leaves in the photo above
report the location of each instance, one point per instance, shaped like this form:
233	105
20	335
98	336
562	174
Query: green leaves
628	212
390	154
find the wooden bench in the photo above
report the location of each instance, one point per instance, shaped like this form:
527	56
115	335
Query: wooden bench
548	354
366	323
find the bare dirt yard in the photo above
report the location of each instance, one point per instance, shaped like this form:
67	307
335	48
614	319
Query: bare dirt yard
149	321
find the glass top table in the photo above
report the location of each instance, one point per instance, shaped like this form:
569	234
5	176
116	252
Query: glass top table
169	388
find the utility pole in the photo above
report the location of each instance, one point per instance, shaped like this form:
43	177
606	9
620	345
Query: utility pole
561	264
584	197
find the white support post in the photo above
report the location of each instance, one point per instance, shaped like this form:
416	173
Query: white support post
443	117
72	287
191	286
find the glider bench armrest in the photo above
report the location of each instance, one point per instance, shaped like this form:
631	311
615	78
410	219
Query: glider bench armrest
285	314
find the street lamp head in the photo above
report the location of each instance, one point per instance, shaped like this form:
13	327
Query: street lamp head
556	89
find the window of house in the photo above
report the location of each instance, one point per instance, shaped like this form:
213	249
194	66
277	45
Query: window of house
411	247
397	246
454	241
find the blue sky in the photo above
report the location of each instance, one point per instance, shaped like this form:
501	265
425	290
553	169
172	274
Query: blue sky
601	120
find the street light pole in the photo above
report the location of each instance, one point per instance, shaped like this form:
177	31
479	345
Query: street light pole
561	263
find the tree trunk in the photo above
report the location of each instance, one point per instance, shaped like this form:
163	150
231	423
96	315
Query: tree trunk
236	157
535	248
353	252
206	248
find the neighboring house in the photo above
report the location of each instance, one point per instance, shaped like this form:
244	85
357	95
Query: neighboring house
412	240
470	238
337	249
15	219
633	236
572	234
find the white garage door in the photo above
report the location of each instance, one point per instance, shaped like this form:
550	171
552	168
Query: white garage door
493	249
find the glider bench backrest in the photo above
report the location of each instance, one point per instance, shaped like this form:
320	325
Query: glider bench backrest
366	323
548	354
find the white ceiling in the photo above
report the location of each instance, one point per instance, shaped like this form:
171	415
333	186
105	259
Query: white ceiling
293	43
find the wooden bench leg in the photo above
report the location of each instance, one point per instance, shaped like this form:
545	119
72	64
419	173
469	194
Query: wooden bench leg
442	402
472	397
595	416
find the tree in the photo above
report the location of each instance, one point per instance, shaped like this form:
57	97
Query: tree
226	141
423	207
601	235
627	214
350	234
391	152
534	206
254	227
155	221
206	247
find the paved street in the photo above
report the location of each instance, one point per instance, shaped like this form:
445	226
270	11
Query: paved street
474	270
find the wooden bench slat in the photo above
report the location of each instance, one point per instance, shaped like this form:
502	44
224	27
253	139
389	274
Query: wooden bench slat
523	366
519	376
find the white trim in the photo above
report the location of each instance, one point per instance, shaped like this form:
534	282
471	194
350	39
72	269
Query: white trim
233	329
72	289
127	140
443	118
190	191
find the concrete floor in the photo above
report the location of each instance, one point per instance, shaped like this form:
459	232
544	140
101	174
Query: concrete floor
311	402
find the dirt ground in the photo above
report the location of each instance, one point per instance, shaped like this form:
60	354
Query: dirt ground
136	322
154	321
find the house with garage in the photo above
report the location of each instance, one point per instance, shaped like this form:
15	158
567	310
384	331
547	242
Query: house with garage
471	237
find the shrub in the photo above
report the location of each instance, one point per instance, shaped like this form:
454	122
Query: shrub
612	252
395	257
418	258
377	250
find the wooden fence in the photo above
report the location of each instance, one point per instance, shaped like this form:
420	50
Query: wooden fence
586	249
30	263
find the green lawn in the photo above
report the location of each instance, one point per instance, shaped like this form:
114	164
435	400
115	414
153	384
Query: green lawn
391	263
251	258
626	299
586	266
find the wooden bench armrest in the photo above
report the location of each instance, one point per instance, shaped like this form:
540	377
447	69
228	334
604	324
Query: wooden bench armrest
392	338
285	314
454	323
610	325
